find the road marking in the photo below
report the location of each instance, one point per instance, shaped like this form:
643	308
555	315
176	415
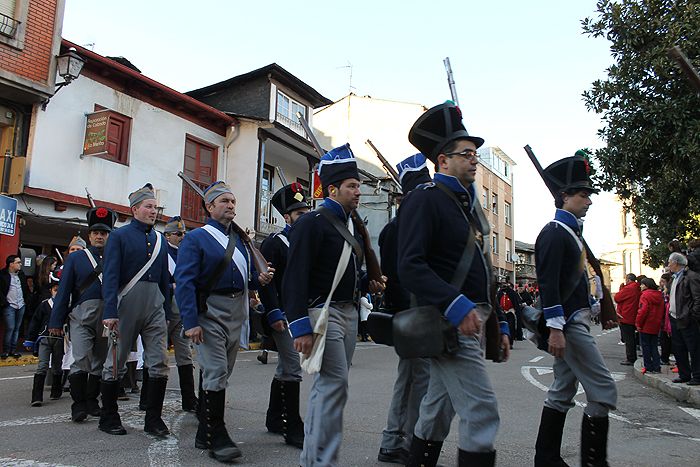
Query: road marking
537	359
525	371
694	412
544	371
16	377
27	463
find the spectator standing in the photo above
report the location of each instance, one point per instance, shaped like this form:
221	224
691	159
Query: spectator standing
665	333
627	300
13	297
648	323
685	312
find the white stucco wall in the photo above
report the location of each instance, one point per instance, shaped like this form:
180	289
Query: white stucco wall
242	172
156	147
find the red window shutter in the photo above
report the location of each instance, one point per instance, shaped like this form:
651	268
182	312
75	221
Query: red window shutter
115	131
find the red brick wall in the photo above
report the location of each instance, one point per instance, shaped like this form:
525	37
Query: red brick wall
34	60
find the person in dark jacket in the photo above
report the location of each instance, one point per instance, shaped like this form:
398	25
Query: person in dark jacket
46	347
627	300
413	374
649	318
560	259
684	310
13	298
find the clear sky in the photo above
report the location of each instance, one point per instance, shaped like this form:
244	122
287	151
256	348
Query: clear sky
520	66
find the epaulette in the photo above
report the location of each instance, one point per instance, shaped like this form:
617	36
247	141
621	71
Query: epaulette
427	186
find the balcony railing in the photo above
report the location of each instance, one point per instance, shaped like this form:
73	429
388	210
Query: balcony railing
293	125
192	209
8	26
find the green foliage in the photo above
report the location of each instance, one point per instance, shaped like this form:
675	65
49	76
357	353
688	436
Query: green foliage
651	115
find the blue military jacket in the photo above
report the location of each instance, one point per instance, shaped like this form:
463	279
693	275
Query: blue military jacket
431	239
315	247
127	251
275	250
198	256
75	272
560	268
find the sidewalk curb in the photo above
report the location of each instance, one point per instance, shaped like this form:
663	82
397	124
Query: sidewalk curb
679	391
25	360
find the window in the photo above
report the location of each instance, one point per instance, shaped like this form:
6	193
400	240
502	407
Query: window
506	169
13	20
118	134
266	191
287	109
485	198
494	203
494	245
200	166
509	250
507	213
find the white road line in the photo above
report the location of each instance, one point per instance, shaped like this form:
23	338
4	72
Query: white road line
525	371
694	412
16	377
27	463
537	359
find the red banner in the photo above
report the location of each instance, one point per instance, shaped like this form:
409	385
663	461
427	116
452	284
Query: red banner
317	192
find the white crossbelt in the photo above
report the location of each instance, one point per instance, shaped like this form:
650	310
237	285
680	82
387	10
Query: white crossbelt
130	285
92	260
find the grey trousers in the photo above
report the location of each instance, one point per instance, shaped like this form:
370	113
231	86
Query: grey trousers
140	313
181	344
461	385
323	425
221	326
583	363
410	387
88	345
288	364
50	348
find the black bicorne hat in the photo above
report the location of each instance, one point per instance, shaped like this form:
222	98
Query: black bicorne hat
438	127
290	198
570	173
101	218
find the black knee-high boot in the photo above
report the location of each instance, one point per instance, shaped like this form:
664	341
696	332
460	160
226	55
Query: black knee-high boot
189	399
154	423
110	421
38	390
423	453
78	392
548	445
594	441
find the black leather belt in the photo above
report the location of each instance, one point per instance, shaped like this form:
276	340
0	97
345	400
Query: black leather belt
231	293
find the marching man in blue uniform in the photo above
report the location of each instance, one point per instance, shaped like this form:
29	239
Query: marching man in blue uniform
79	300
560	260
413	373
174	232
136	292
213	275
283	411
434	227
317	278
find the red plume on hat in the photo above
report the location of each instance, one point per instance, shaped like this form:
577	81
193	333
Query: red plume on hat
101	213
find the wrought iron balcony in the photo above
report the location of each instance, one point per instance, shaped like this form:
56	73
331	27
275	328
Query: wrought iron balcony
8	26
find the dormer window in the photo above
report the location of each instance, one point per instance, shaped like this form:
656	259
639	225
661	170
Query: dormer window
287	109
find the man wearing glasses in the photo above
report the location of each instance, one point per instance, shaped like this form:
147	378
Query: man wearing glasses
174	232
435	223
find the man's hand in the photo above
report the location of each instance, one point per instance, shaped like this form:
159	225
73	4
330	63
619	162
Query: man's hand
279	325
379	286
471	324
557	342
266	277
57	332
196	334
304	344
505	347
112	323
610	324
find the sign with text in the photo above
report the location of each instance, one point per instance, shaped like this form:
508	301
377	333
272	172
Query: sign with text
8	215
96	133
317	192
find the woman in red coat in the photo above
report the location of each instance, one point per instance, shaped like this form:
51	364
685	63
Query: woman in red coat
649	319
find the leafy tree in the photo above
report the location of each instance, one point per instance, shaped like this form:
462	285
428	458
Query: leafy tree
651	115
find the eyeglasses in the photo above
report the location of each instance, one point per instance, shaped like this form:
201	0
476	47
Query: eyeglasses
178	234
467	153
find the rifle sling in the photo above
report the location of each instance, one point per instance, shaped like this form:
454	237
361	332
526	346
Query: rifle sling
90	279
223	264
343	231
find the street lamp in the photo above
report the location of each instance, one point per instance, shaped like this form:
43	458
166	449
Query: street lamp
69	65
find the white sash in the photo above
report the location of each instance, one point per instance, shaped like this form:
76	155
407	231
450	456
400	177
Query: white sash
171	265
242	266
572	233
319	318
284	239
93	262
130	285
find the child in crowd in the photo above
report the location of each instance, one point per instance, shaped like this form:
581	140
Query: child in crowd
46	347
649	319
